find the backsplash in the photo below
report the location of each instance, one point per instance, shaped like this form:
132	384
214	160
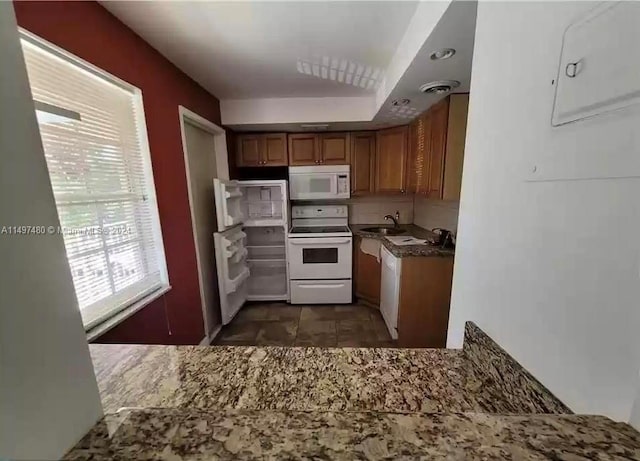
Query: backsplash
426	213
429	213
372	210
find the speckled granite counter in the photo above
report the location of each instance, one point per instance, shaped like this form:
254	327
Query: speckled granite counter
175	434
313	403
404	250
284	378
309	379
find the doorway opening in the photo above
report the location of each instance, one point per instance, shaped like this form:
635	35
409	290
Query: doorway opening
205	156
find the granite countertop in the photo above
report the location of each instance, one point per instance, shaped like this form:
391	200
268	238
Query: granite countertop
285	378
401	251
203	402
179	434
320	379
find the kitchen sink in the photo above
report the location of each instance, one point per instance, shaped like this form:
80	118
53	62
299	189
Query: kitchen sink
385	230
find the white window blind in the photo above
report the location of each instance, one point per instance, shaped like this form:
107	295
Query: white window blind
100	171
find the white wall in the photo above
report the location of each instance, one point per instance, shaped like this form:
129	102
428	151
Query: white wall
48	392
549	269
429	213
372	210
296	110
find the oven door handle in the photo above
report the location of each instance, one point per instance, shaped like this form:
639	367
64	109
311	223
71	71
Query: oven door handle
307	242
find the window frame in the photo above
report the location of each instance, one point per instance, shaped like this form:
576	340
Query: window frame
109	319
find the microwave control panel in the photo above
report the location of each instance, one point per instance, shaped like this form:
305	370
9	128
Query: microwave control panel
343	184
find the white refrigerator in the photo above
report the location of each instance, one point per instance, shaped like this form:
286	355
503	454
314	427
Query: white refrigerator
251	243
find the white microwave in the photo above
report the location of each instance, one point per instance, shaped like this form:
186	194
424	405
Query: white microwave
325	182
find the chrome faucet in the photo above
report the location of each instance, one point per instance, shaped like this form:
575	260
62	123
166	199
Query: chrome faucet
395	219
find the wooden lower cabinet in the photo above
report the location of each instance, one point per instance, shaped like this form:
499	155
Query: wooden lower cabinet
425	294
367	271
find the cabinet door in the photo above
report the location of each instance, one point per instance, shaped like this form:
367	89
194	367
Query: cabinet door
456	134
363	157
275	149
334	149
303	149
439	120
367	271
391	160
425	295
417	157
248	150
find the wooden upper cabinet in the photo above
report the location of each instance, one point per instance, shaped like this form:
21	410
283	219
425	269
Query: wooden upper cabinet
334	149
275	149
267	149
418	158
419	154
248	150
363	166
456	134
303	149
391	160
439	121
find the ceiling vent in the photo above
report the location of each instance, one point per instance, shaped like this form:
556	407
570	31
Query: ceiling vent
314	126
439	87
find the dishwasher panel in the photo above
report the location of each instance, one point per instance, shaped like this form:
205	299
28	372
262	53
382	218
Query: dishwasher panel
390	290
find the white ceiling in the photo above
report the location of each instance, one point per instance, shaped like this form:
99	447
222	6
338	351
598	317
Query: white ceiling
456	29
431	29
245	50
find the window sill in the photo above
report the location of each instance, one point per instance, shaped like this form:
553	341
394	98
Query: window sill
124	314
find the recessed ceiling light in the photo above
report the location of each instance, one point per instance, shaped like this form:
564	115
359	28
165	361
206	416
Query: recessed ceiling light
439	87
400	102
444	53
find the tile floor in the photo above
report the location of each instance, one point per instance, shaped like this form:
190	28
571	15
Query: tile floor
280	324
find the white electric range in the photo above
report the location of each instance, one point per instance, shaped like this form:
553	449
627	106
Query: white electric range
320	255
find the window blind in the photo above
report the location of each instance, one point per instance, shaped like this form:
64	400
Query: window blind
100	172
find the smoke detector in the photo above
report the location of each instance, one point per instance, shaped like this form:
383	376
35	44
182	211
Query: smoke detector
439	87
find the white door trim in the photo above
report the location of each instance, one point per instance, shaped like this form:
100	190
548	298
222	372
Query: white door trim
222	170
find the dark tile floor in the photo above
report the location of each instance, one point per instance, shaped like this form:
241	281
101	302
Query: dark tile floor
280	324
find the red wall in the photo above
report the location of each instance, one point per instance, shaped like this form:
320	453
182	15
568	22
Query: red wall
89	31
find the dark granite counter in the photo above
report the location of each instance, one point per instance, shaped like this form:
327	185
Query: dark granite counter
401	251
179	434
